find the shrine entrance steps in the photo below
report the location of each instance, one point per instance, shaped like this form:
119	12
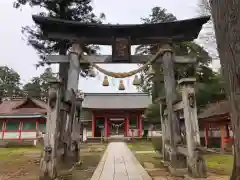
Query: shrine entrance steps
118	163
112	139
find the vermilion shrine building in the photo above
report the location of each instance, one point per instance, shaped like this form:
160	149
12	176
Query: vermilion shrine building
22	118
114	114
215	125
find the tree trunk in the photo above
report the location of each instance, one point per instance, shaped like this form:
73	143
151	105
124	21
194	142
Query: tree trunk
156	87
226	17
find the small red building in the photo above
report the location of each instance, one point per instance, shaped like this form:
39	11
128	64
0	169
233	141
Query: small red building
106	114
215	125
114	114
22	118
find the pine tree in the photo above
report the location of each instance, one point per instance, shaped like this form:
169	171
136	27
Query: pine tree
78	10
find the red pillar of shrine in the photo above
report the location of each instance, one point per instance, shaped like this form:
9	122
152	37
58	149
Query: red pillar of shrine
127	125
106	126
140	126
3	128
93	126
223	133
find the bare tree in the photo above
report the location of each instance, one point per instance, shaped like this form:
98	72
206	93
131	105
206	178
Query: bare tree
207	35
204	7
226	18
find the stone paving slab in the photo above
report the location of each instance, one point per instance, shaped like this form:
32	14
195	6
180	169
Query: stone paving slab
118	163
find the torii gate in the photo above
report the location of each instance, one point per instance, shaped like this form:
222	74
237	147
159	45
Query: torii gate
63	127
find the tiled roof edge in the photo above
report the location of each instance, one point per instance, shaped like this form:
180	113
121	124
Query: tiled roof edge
116	94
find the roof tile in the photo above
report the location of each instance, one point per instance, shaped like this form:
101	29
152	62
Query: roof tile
219	108
10	107
116	101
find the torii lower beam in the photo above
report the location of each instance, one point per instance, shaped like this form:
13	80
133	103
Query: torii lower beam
135	59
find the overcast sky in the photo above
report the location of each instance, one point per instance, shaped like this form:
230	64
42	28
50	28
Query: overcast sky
15	53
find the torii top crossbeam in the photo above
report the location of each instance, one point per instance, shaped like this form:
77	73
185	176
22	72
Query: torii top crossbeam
103	34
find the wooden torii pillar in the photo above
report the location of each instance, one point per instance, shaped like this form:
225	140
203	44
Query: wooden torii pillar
161	102
72	135
192	161
172	132
62	141
195	162
49	161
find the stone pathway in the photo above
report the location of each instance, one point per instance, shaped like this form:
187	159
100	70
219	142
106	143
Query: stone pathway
118	163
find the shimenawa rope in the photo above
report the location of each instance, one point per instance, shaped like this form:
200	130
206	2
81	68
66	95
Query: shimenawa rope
130	73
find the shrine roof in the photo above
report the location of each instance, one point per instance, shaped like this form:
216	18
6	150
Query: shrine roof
102	34
23	106
116	101
215	109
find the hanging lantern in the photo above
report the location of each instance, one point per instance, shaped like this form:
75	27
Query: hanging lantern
105	81
121	86
136	81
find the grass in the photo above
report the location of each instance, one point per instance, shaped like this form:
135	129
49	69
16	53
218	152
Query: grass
152	164
19	163
8	154
87	168
153	158
151	161
90	156
141	145
219	163
22	163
